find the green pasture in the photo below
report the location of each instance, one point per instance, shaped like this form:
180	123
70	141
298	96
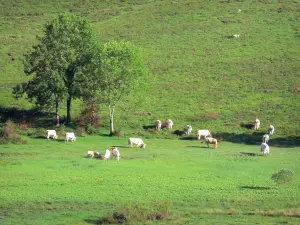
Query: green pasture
52	182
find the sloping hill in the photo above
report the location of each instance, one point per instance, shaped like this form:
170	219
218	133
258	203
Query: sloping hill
199	74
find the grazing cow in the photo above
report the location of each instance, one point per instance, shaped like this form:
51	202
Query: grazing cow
271	130
90	154
211	141
264	148
70	136
236	35
116	153
107	155
188	129
51	133
169	124
256	124
158	124
265	138
136	141
203	133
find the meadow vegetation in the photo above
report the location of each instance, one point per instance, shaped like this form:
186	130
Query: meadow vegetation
198	74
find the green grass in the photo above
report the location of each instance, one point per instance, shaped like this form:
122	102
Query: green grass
51	180
197	75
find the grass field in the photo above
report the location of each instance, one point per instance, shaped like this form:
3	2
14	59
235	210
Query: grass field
51	182
198	75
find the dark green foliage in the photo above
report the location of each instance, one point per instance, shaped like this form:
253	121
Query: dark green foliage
282	177
92	130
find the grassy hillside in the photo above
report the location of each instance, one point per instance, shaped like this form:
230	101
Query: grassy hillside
198	73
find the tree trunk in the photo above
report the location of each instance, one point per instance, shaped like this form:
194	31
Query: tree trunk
69	109
111	119
57	114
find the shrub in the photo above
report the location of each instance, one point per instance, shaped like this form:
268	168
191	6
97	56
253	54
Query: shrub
282	177
9	134
92	130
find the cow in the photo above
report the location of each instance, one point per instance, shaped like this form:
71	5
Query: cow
169	124
116	153
256	124
107	155
264	148
93	154
136	141
211	141
265	138
70	136
271	130
158	124
188	129
203	133
51	133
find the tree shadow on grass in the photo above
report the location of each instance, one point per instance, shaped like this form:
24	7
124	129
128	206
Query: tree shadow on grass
148	127
35	116
120	146
256	139
255	188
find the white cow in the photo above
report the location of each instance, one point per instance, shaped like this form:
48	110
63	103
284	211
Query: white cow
265	138
51	133
136	141
107	154
211	141
236	35
158	124
70	136
116	153
271	130
188	129
256	124
169	124
203	133
264	148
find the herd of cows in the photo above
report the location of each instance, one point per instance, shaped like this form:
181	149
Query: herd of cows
138	142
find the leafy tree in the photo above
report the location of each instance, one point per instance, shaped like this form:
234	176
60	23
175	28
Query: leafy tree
57	63
117	70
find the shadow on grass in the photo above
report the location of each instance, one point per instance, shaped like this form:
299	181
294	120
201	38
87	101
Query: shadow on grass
148	127
120	146
255	188
249	154
256	139
31	115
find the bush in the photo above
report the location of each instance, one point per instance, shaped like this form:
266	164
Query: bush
92	130
9	135
282	177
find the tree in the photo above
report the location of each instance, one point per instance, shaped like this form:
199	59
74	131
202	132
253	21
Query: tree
118	69
57	62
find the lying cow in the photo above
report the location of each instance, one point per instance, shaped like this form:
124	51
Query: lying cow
92	154
136	141
70	136
203	133
116	153
265	149
51	133
211	141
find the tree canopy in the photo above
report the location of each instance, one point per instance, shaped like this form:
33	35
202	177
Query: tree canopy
56	62
118	69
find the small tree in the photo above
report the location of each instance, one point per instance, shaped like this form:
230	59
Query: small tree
117	70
